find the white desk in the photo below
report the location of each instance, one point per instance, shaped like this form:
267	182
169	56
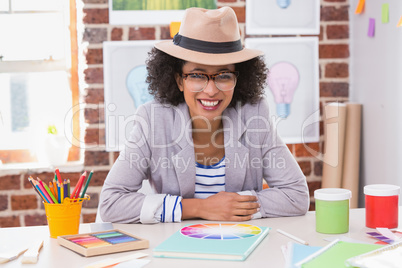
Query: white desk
267	254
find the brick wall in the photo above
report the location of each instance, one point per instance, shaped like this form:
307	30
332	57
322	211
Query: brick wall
19	204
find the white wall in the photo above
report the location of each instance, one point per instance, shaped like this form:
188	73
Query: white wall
376	82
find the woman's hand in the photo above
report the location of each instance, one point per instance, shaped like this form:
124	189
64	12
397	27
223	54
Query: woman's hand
223	206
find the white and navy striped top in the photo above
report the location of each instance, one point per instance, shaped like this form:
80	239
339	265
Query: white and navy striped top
209	180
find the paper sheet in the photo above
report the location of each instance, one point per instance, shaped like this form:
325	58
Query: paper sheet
351	159
385	13
399	22
371	27
360	7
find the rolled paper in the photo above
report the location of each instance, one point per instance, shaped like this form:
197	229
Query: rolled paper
334	127
351	160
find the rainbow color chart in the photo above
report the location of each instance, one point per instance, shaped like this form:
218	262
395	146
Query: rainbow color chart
221	231
102	239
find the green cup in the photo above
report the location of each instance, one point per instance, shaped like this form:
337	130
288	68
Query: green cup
332	210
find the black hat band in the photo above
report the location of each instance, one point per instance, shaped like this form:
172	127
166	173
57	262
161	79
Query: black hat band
205	46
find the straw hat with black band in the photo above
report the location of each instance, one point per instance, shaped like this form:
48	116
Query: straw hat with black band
210	37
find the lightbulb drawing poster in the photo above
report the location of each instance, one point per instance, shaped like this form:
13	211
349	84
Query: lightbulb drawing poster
124	86
282	17
293	85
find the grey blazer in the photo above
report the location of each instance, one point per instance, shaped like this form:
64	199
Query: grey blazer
160	150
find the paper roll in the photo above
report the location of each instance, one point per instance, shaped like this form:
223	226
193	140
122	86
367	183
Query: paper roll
351	159
334	127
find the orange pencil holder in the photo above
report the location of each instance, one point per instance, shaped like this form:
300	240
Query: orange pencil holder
64	219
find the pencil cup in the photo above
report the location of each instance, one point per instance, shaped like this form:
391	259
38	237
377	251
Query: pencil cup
332	210
64	219
381	205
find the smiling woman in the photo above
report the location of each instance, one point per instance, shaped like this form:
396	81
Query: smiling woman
211	123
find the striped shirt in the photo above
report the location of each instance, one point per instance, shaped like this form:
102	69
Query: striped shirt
209	180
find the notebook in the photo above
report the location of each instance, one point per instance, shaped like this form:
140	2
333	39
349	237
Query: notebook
336	253
388	256
215	241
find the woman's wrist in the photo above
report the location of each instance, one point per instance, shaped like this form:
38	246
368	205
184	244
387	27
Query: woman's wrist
191	208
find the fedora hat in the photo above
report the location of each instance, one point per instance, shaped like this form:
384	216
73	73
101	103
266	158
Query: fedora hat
210	37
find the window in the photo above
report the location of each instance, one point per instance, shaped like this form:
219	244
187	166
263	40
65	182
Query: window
35	75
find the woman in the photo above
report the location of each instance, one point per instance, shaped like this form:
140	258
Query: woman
207	142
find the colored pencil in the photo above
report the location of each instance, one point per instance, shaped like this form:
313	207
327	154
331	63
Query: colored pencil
56	194
62	192
59	176
77	195
68	186
65	188
50	193
36	190
42	194
51	188
86	184
77	185
41	186
38	187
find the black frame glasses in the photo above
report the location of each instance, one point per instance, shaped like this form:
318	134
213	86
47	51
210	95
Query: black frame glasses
212	77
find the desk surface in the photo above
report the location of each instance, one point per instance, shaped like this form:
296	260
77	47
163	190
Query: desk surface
269	251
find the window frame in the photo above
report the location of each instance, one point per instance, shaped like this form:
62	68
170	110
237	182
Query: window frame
68	65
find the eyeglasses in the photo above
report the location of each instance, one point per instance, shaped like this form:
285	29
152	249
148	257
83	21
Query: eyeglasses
224	81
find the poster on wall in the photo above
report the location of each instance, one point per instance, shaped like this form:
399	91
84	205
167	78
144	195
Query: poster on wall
282	17
142	12
293	86
125	88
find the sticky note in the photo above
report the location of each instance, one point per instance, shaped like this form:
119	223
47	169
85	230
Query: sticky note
174	28
384	13
360	7
371	27
399	23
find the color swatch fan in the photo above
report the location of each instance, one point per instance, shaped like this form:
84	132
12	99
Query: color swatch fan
221	231
215	241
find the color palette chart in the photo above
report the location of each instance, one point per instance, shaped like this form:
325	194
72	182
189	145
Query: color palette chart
220	231
101	239
394	236
105	242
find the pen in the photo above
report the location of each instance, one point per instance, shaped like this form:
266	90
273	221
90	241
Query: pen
292	237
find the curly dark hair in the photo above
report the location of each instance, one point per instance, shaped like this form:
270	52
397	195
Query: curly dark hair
162	83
